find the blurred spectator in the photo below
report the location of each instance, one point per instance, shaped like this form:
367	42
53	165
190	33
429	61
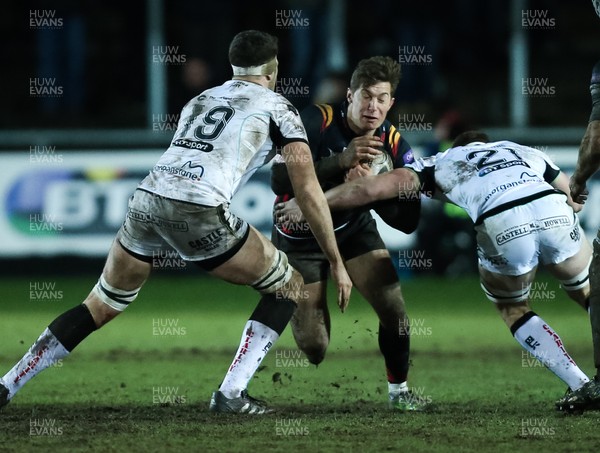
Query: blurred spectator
202	35
410	32
332	88
60	41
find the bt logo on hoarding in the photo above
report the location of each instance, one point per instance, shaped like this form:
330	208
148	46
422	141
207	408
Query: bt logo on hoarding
65	201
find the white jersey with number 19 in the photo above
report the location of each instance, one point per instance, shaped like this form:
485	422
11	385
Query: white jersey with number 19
224	135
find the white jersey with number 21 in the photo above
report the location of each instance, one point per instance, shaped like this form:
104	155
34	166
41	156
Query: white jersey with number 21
482	176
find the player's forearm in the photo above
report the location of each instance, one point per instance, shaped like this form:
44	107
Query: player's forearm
352	194
588	161
366	190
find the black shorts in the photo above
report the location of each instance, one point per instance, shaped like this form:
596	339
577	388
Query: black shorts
356	239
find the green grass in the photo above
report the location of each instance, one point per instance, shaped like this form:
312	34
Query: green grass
485	395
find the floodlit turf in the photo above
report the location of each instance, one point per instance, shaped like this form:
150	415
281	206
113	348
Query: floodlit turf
143	382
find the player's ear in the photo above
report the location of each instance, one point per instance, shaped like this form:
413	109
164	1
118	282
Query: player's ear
392	102
271	80
349	95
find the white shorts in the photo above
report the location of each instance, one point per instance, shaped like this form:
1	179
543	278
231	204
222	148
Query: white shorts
204	234
545	230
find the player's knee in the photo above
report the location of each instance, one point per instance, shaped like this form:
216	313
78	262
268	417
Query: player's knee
281	278
112	301
315	355
499	296
578	286
294	288
392	312
311	339
313	348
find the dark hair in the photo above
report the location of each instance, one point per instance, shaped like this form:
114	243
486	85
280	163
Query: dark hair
469	137
252	48
375	69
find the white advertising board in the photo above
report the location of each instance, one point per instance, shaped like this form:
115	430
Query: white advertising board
72	203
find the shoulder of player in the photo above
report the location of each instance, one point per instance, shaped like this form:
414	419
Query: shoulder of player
391	135
277	98
321	114
396	144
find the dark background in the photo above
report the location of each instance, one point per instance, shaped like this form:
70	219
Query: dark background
99	56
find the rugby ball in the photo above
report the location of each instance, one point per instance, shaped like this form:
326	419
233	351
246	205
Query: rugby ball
382	163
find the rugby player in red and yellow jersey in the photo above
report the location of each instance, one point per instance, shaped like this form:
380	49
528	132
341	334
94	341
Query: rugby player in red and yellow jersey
354	135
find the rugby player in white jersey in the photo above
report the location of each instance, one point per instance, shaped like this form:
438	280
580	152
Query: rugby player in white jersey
223	136
518	199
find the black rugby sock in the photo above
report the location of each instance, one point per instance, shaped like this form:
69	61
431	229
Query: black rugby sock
395	347
274	312
73	326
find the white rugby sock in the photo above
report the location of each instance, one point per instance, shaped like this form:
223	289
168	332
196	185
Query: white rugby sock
540	340
257	339
46	351
396	389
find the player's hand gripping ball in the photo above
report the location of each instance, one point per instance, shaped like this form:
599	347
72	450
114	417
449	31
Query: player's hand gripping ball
381	163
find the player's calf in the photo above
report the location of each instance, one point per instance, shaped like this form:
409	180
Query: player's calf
311	324
311	338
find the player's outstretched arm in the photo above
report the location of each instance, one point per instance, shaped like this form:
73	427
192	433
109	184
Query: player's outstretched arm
362	191
359	192
313	204
588	162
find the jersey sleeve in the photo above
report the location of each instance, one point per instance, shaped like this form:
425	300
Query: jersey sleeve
286	123
286	127
311	120
595	92
402	152
551	171
317	119
314	120
424	167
